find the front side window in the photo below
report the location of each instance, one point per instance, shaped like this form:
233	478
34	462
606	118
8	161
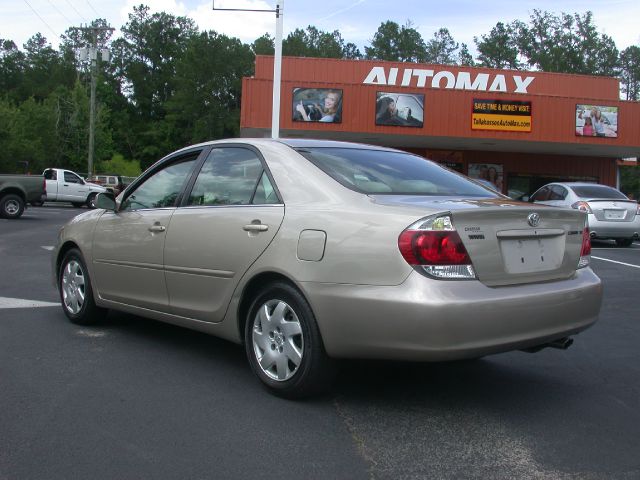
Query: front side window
162	188
541	195
71	178
388	172
229	176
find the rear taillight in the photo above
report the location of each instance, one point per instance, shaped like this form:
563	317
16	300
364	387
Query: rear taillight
433	246
582	206
585	251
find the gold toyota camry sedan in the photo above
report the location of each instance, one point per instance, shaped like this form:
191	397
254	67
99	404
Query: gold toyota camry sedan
308	251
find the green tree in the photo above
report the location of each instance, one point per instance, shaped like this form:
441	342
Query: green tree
395	43
499	49
630	72
264	45
568	44
313	42
206	104
442	48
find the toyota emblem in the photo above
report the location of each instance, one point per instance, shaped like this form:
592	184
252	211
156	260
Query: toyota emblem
533	219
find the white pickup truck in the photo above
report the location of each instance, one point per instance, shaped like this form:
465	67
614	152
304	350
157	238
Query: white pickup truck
68	186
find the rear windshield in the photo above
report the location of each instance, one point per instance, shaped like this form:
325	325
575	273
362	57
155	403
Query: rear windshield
598	191
396	173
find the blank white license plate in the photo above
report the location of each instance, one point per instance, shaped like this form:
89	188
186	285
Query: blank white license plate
532	255
614	214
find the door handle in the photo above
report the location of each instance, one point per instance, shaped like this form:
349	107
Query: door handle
157	228
255	227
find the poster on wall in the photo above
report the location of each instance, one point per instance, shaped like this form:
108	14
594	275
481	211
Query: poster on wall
317	105
596	121
488	173
501	115
400	109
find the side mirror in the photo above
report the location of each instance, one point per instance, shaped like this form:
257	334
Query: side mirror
106	201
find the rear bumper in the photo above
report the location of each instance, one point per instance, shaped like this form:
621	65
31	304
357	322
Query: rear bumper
435	320
614	229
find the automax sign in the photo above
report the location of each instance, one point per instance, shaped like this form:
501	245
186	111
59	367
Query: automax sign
418	77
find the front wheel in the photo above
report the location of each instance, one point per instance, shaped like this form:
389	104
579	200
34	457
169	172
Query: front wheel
624	242
284	345
91	200
11	206
76	294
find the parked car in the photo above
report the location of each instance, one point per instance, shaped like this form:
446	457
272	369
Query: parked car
611	215
309	251
18	190
67	186
113	183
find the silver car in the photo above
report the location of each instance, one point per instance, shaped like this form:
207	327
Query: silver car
310	251
611	215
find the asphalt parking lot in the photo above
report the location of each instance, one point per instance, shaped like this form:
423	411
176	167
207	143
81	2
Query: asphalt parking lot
133	398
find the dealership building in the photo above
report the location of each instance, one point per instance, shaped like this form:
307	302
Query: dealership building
516	129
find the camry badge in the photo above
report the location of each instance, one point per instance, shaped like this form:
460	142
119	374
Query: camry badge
533	219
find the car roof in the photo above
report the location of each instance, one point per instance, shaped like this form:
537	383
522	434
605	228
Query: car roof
294	143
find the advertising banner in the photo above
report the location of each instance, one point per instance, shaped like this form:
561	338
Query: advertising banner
401	109
317	105
489	174
501	115
596	121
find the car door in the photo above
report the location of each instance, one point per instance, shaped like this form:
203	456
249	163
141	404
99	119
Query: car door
73	188
128	244
229	218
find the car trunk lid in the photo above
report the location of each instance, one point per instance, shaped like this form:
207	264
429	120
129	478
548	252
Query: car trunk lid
613	210
510	242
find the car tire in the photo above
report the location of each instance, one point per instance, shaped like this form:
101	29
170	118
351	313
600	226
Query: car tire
284	346
11	206
76	294
91	200
624	242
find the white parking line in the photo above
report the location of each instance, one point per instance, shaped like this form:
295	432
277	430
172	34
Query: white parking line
47	247
615	261
20	303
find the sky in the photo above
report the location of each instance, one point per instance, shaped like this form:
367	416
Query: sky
357	20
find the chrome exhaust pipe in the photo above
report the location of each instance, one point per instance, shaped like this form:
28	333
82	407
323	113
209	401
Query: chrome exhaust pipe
592	234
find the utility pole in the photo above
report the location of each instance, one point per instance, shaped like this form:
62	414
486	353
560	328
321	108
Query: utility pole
277	61
92	54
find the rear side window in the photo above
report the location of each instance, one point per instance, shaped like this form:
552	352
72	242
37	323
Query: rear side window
598	191
383	172
50	175
232	176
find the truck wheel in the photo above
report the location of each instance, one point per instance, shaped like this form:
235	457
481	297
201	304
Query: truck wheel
91	200
11	206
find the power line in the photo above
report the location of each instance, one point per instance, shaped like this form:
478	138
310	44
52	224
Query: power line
41	19
57	10
75	10
94	10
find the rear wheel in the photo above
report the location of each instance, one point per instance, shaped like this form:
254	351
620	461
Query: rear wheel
624	242
75	290
284	345
11	206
